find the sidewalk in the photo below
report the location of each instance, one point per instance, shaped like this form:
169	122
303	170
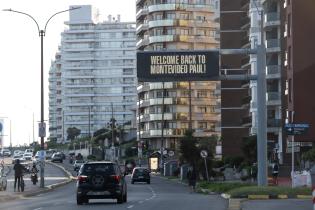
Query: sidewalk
30	189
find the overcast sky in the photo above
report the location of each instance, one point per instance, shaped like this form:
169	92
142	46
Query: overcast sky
20	57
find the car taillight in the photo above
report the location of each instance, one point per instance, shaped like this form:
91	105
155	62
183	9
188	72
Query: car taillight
116	177
82	178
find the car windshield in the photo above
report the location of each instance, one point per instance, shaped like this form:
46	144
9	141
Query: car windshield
79	161
107	169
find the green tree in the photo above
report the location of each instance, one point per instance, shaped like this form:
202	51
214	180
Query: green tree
189	151
249	148
72	133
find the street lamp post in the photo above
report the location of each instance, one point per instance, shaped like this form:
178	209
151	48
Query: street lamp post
42	127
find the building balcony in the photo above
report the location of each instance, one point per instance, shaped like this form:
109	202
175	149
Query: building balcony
140	2
142	28
143	88
246	121
246	100
274	123
273	45
142	42
205	117
143	103
159	85
159	101
141	13
168	6
162	23
273	98
272	19
273	72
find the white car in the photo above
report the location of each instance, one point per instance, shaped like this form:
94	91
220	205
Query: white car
17	156
28	156
5	152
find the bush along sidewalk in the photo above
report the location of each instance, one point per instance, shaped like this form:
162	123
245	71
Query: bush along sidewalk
219	187
270	192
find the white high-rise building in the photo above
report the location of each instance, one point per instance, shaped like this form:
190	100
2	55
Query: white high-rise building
98	73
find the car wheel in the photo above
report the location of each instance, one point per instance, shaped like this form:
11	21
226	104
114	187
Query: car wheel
120	199
79	201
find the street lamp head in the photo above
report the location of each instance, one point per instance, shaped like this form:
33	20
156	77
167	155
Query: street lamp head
73	8
7	10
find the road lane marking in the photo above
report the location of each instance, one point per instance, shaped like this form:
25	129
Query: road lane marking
38	208
140	201
129	207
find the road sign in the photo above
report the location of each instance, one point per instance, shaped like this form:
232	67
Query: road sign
171	153
203	153
42	129
296	129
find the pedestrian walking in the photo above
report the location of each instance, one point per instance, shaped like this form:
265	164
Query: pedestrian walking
192	178
18	173
275	172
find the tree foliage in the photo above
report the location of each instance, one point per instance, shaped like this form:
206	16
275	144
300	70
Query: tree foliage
249	148
188	148
309	155
73	132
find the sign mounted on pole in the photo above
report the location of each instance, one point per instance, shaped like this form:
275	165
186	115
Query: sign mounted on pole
296	129
167	66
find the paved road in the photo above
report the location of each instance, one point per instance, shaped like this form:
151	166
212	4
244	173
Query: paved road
161	194
287	204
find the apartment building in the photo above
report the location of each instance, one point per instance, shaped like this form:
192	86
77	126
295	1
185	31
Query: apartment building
300	70
98	76
243	19
164	109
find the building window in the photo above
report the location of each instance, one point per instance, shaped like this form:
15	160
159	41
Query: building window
202	125
201	93
184	125
158	46
184	31
158	32
170	31
170	16
158	17
202	109
184	16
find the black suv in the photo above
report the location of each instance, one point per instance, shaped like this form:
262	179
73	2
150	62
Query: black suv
99	180
140	174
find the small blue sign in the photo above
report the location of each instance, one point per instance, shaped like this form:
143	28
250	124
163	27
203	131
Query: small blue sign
296	129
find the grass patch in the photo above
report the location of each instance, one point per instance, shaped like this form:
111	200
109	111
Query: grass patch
172	177
221	187
243	192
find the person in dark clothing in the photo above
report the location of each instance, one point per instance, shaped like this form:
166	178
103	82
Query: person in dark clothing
18	173
192	178
275	172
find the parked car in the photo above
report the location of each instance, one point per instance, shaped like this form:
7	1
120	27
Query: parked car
99	180
77	164
56	157
5	153
28	156
140	174
29	151
17	156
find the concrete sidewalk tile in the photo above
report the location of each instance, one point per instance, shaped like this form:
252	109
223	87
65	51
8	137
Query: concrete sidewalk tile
304	197
258	197
282	196
235	204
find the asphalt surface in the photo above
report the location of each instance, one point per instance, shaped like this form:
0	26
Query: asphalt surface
160	194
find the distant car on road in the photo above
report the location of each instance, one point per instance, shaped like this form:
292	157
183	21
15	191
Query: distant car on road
56	157
99	180
77	164
140	174
5	153
17	156
28	156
